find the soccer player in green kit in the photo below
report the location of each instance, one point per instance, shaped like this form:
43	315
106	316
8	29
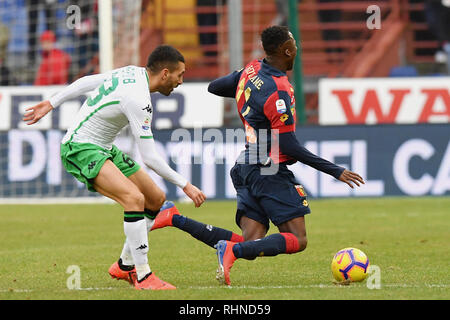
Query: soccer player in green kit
122	97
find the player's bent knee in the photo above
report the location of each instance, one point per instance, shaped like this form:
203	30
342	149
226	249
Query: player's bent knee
299	246
156	202
134	199
294	243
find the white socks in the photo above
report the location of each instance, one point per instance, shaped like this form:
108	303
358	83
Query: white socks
125	256
137	242
135	248
142	270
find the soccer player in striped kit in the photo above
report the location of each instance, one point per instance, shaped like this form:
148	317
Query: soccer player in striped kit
266	189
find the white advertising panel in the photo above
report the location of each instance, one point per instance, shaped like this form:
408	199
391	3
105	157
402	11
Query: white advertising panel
384	101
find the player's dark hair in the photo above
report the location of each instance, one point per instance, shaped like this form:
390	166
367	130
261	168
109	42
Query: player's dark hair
164	56
273	37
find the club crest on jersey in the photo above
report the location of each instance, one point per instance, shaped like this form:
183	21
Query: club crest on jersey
300	190
281	106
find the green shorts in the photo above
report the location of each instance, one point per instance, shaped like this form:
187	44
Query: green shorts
84	161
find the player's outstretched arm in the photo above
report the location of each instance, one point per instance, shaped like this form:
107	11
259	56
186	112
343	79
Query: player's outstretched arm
37	112
351	178
289	145
77	88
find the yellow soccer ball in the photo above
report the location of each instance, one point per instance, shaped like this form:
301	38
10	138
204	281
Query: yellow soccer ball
350	265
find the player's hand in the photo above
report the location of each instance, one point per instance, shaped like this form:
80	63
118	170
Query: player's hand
35	113
195	194
351	178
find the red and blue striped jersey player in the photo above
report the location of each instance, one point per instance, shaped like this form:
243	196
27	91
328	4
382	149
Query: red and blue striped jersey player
266	189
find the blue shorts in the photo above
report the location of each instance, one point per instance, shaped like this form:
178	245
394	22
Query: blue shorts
263	198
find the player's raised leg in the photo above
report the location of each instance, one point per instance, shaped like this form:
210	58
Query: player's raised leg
167	214
206	233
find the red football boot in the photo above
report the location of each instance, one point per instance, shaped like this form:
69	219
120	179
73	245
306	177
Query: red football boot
116	273
225	258
152	282
165	215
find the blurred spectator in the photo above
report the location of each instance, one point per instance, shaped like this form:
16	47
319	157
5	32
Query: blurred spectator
33	7
55	65
438	18
208	20
5	77
4	40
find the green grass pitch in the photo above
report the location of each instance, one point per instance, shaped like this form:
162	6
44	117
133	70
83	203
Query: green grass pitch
407	238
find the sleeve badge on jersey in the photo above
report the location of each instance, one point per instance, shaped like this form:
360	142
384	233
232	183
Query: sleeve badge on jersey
146	125
281	106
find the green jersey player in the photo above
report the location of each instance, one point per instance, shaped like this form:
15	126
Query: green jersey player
120	98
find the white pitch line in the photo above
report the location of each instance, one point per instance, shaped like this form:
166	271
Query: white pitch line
320	286
262	287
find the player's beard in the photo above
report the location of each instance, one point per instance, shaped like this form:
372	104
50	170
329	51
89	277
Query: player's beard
167	89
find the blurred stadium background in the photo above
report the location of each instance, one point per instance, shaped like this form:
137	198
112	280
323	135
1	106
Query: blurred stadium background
373	89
